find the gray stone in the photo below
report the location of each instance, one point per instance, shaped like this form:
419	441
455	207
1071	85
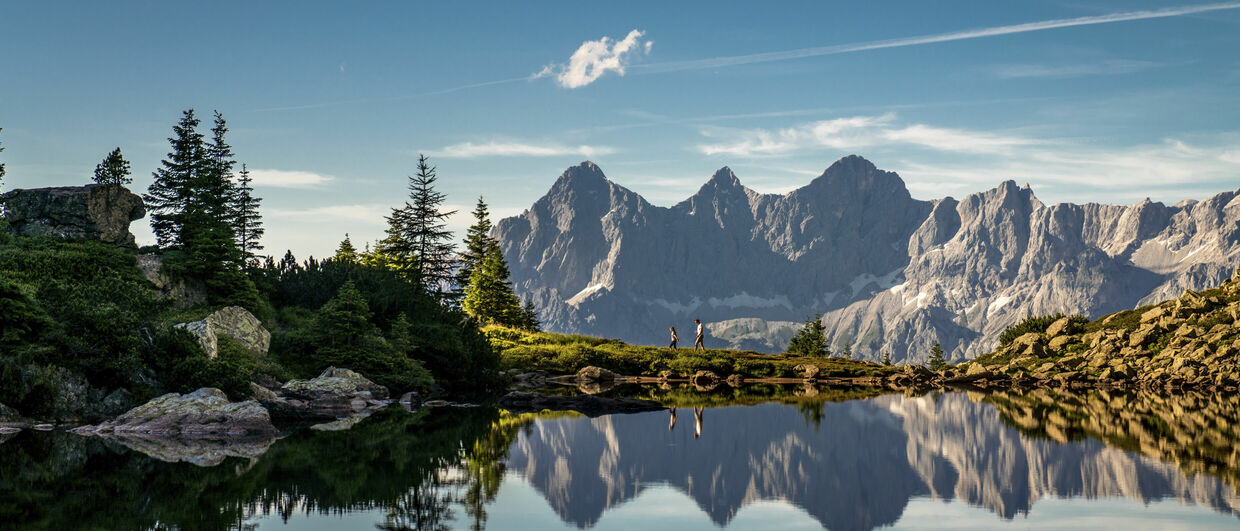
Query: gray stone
235	322
593	374
202	412
91	212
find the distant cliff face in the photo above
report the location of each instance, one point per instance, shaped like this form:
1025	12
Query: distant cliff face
890	272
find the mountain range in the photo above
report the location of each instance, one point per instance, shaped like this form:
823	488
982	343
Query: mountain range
889	273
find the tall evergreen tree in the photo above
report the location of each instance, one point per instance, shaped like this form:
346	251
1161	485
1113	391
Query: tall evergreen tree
887	357
811	339
489	297
169	198
114	170
418	240
216	185
247	221
529	316
477	241
847	352
1	171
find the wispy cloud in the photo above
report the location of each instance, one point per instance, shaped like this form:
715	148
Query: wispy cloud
518	149
595	58
372	214
716	62
856	132
1111	67
288	179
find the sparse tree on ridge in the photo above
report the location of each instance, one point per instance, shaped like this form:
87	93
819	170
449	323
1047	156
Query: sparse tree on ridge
477	241
346	252
847	352
811	339
114	170
936	362
1	168
247	220
887	358
419	242
529	316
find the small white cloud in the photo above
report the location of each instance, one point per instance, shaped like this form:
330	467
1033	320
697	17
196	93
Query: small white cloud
1112	67
372	213
288	179
466	150
595	58
956	140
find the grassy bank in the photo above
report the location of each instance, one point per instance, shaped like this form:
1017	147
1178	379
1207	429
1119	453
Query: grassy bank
566	354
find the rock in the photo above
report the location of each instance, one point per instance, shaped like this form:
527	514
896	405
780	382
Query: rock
42	427
186	295
260	393
596	374
808	371
205	411
666	374
436	403
342	424
977	369
589	405
91	212
235	322
735	380
334	387
917	372
1060	327
8	414
1153	315
1058	343
411	398
704	379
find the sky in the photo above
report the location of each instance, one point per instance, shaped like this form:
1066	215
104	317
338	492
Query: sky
330	103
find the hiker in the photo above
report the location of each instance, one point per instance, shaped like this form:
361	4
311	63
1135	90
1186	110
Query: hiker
675	337
697	421
697	343
672	423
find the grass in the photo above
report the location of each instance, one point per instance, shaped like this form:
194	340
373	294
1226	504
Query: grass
566	354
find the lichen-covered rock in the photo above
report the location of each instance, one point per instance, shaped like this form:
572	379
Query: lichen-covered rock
808	371
235	322
704	379
596	374
206	411
335	385
91	212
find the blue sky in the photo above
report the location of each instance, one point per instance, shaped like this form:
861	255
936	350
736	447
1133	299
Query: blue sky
331	102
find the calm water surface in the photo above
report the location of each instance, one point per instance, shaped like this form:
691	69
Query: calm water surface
749	460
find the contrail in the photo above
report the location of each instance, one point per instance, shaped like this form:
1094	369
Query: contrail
1027	27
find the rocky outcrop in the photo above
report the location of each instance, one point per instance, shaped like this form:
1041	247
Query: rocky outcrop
334	394
91	212
206	411
588	405
889	272
184	294
235	322
592	374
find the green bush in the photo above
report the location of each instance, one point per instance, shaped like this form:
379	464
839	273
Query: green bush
1035	325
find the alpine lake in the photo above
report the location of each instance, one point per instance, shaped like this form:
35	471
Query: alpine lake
752	457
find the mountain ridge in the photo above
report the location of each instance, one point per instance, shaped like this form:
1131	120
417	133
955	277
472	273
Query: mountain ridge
597	258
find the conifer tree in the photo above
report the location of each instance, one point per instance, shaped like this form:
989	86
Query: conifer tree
529	316
847	352
477	241
114	170
937	362
1	171
887	358
418	240
811	339
346	252
489	297
216	186
247	221
169	198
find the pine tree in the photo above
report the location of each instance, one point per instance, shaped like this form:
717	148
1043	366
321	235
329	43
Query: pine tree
169	198
489	296
847	353
529	316
477	240
114	170
216	186
247	221
811	339
346	252
937	362
1	172
887	358
418	239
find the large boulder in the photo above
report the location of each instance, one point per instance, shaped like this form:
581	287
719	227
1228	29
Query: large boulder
91	212
334	394
593	374
335	385
235	322
206	411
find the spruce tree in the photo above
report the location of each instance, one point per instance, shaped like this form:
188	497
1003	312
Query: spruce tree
114	170
529	316
847	352
247	221
477	241
169	198
216	186
418	240
811	339
1	172
346	252
937	362
887	358
489	296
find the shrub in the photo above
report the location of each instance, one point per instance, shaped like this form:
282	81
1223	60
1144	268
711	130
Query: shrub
1030	324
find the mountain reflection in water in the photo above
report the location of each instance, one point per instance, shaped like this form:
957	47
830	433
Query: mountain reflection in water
853	464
